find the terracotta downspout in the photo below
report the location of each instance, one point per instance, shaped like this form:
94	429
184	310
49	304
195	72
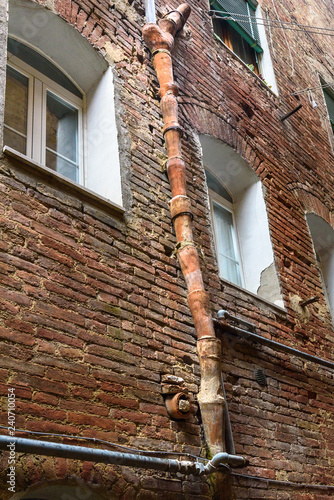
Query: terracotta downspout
160	40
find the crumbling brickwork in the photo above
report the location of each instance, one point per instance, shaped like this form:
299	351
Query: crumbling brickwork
93	302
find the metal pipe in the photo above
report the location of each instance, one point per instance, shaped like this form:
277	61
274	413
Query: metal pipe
309	301
273	344
285	483
48	448
225	314
220	459
228	433
160	41
291	113
150	11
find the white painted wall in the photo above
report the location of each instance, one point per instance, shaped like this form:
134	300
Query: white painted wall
323	241
253	234
103	168
266	61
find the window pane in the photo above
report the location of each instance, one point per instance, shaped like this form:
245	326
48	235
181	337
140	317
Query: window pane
227	253
16	110
62	137
61	166
43	65
218	188
242	48
330	106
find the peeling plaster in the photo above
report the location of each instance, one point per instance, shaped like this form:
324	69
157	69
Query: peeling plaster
269	288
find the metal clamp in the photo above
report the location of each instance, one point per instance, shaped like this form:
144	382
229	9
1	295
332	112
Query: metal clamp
156	51
183	21
165	163
173	127
183	213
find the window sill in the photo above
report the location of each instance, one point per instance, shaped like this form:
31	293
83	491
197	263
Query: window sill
219	40
274	307
63	182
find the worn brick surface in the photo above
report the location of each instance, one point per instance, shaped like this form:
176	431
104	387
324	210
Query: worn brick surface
93	307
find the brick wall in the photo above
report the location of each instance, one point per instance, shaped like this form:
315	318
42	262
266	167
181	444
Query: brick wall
93	306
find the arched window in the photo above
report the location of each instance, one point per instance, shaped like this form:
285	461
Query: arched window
59	108
240	223
43	112
323	242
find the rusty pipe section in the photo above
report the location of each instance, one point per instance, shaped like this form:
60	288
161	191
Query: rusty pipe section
160	40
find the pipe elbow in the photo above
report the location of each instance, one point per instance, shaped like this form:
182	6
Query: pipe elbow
185	10
224	458
154	38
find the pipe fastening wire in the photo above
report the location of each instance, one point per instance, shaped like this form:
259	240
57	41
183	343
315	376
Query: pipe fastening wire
165	163
182	244
173	127
183	21
156	51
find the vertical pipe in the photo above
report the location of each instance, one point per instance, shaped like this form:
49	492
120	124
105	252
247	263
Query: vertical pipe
160	40
150	11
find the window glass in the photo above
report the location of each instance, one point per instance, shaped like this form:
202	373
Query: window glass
61	137
56	57
239	221
329	98
235	25
217	187
42	118
41	64
228	261
16	110
323	241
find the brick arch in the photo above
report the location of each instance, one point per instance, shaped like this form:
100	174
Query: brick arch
205	121
311	203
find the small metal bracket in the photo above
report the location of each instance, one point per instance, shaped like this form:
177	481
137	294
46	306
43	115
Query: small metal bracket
308	301
291	113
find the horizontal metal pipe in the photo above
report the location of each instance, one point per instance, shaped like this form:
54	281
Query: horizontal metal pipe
291	113
37	447
48	448
274	345
285	483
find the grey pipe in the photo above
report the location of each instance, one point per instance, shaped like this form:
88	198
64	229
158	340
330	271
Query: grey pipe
150	11
267	342
34	446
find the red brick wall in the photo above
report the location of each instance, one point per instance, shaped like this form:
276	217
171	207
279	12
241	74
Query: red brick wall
93	308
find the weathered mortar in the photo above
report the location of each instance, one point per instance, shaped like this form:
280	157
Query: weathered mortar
93	311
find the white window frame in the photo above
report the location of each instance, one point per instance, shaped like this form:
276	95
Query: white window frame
38	87
226	205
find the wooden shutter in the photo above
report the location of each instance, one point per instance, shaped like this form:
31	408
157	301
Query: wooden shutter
245	25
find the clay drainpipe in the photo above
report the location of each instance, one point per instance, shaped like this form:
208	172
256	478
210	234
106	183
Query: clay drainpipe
160	40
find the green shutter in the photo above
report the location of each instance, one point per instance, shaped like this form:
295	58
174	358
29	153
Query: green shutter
245	26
